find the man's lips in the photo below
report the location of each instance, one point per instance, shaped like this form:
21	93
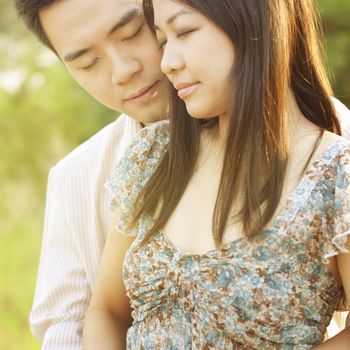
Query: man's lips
184	89
143	94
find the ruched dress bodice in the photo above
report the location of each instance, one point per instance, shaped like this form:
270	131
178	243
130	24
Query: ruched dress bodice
270	292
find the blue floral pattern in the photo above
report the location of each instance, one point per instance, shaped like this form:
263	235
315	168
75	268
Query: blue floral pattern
272	292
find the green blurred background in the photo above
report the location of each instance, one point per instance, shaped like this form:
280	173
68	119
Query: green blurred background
44	115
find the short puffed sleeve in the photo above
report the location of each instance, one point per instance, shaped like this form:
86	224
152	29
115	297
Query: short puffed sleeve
133	171
338	207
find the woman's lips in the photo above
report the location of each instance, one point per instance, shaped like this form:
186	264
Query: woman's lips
184	89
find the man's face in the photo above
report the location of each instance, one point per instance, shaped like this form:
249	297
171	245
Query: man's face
110	51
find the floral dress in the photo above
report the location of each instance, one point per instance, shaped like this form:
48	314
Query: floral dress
274	292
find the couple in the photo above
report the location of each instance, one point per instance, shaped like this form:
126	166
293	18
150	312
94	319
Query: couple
247	77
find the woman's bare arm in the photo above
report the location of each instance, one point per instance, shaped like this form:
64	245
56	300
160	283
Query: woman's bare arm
109	315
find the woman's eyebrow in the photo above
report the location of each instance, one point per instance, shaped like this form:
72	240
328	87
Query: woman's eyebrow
172	18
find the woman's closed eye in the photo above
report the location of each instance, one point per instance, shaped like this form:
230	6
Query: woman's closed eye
185	33
180	35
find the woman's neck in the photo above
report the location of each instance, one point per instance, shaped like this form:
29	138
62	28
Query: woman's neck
299	128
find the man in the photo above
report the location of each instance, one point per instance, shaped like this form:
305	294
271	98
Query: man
108	49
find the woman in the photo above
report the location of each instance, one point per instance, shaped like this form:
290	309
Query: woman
234	216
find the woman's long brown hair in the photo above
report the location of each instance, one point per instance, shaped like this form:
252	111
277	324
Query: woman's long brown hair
277	49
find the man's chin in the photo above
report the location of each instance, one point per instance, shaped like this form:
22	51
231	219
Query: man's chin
149	115
149	119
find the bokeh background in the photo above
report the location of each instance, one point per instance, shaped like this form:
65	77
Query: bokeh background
43	115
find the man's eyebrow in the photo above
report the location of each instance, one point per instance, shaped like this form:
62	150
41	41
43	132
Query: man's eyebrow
74	55
172	18
127	17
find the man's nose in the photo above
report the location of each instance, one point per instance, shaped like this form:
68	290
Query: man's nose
124	68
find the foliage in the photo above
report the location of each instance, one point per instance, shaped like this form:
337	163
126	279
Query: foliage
336	24
43	115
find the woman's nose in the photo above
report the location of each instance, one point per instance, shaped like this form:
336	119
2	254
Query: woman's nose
171	62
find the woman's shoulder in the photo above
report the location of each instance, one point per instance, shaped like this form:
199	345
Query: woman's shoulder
332	167
155	132
134	169
139	161
322	199
159	127
335	186
149	143
337	149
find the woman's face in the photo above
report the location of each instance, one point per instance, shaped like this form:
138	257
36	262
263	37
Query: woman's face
197	58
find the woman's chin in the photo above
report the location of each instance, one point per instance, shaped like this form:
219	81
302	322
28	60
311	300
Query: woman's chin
198	114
